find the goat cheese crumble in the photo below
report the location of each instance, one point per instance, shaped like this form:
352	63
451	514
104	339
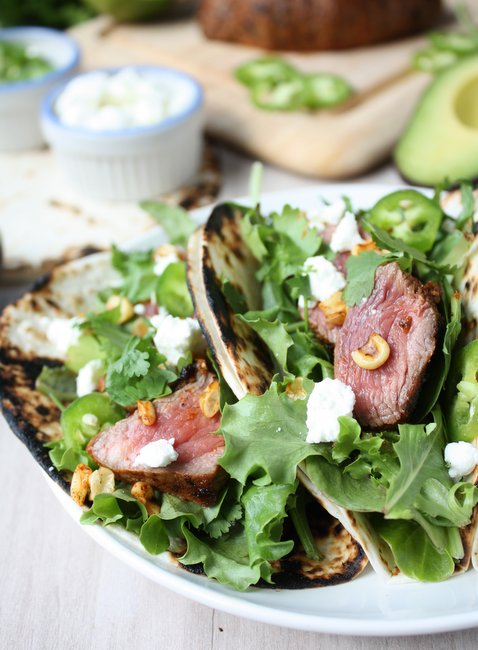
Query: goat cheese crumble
462	458
329	399
159	453
63	333
175	337
161	262
346	235
325	279
88	377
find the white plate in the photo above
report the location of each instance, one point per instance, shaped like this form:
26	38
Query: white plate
365	606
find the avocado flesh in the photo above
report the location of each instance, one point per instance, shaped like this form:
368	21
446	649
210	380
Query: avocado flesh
440	143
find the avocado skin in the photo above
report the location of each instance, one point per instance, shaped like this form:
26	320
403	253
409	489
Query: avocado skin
437	146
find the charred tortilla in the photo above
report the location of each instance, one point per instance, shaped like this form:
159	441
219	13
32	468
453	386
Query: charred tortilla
71	290
238	352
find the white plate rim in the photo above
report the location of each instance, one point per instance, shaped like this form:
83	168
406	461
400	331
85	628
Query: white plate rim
199	588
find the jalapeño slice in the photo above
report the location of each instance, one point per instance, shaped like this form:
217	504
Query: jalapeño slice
462	395
284	96
268	69
324	90
408	216
77	429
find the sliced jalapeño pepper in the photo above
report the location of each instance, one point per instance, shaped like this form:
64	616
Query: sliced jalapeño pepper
462	395
409	216
324	90
77	430
268	69
284	96
432	60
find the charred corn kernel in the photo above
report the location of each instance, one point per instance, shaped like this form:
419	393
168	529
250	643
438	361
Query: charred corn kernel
140	328
373	354
295	390
146	412
368	245
101	481
126	308
79	486
334	309
209	400
144	493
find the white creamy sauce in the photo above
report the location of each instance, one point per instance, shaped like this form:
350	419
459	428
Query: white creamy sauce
329	399
175	337
325	279
88	377
461	458
159	453
103	101
346	235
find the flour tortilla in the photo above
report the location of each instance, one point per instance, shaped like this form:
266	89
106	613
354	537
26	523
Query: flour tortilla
217	251
68	291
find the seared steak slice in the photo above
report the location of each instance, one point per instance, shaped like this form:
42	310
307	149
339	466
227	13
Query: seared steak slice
402	311
195	475
322	329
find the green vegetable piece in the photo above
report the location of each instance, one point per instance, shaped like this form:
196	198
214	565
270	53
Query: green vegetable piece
153	535
287	95
18	64
172	291
174	220
322	90
454	42
269	70
86	349
59	384
432	60
462	395
409	216
75	432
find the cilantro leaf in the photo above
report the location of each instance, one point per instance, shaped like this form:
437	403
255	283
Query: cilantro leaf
174	220
137	269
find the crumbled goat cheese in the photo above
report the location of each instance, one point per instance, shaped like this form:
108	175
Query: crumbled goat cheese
158	453
90	420
139	309
175	337
324	278
462	458
329	399
161	262
346	235
329	215
88	377
63	333
453	206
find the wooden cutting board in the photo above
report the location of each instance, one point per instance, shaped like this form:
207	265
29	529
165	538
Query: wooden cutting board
338	143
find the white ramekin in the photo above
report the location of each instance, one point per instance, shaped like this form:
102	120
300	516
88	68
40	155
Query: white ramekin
20	101
133	163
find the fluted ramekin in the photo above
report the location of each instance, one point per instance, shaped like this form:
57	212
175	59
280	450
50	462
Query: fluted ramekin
131	163
20	101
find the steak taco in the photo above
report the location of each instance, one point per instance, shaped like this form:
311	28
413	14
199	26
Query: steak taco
106	376
348	337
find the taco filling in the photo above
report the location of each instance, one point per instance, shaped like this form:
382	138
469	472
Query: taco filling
360	314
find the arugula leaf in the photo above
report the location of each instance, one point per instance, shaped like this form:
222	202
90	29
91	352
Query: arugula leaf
65	457
137	375
447	506
413	552
174	220
154	536
468	205
272	332
293	223
262	431
361	275
118	507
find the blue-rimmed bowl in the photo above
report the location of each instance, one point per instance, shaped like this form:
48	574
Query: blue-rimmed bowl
131	163
20	101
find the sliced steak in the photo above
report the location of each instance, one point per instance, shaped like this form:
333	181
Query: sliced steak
195	475
403	312
318	323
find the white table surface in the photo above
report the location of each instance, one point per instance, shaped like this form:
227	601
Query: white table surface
58	589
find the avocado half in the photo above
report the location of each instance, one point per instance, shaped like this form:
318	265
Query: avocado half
440	143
